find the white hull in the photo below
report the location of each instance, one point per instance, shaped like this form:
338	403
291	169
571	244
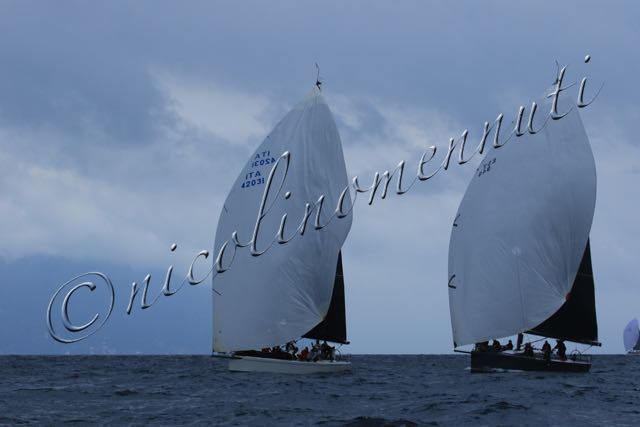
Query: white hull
263	364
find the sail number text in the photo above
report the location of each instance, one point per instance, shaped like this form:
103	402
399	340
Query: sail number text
252	178
485	166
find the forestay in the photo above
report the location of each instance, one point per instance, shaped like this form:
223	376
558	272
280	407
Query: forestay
521	231
271	299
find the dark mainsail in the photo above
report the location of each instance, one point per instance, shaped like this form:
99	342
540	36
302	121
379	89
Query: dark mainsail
576	319
334	326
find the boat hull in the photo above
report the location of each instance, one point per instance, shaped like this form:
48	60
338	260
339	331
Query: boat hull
491	361
263	364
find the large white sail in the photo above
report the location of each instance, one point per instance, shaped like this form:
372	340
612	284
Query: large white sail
271	299
521	231
630	335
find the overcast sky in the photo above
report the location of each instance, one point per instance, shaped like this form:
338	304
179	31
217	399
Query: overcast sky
123	126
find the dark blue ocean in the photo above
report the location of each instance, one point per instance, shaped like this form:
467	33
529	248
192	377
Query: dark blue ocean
380	391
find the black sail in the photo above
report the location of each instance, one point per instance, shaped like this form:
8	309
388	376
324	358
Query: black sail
576	319
334	325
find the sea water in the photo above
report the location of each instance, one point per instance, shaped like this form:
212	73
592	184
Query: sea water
380	390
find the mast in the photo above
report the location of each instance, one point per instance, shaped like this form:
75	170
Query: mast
334	325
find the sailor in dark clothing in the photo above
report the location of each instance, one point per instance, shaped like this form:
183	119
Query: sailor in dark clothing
315	351
496	346
482	346
546	350
509	346
528	350
325	351
562	349
291	348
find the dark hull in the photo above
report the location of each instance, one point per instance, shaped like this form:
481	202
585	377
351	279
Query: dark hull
490	361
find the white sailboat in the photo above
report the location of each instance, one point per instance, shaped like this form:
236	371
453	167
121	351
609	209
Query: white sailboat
631	337
293	289
519	257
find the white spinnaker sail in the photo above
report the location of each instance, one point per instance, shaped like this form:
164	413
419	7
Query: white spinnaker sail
630	335
521	230
271	299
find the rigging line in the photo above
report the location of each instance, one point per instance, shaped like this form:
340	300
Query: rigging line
318	82
522	304
539	339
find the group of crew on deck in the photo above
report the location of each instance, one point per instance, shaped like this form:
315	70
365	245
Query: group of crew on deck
317	352
528	348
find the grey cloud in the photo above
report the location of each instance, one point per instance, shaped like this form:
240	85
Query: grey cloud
76	78
450	57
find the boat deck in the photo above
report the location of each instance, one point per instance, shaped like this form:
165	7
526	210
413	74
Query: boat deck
487	361
265	364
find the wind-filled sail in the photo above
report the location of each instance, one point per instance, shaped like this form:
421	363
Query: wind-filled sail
334	326
267	300
521	231
576	319
631	336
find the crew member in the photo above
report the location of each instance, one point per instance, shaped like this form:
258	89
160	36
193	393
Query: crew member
562	349
528	350
546	351
304	354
